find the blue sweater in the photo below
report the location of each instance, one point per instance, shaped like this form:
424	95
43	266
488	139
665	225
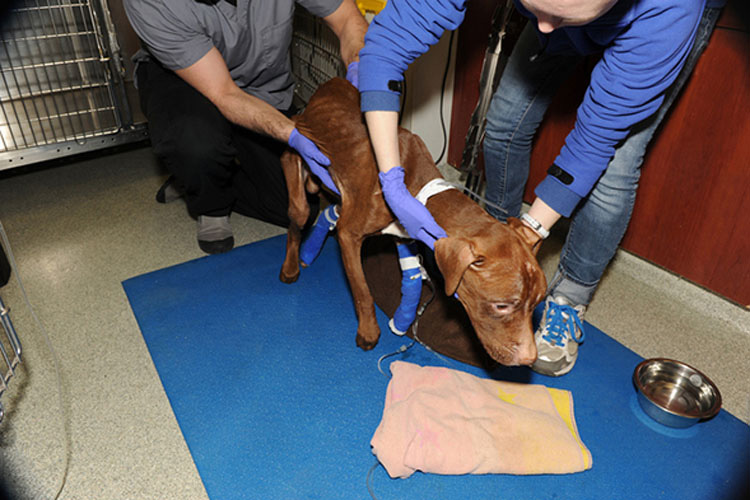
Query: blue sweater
644	44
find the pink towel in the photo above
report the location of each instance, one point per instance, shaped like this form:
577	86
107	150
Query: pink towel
446	421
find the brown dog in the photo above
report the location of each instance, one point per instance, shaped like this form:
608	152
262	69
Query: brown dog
490	265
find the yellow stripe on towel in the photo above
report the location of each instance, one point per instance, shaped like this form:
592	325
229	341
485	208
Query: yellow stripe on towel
563	402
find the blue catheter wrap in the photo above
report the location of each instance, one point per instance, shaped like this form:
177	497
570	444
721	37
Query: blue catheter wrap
411	270
312	245
411	288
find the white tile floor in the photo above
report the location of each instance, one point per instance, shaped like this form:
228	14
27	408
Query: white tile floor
81	228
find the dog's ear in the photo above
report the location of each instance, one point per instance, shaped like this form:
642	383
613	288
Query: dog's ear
528	235
454	256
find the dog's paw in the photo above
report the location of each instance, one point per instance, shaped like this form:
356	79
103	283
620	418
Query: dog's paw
365	343
288	277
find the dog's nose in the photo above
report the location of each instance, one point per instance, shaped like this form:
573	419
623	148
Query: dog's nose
526	353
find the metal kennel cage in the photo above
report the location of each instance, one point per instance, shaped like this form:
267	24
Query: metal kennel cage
315	54
61	82
10	345
10	352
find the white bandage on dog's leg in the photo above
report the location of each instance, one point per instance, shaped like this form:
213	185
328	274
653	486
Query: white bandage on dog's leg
411	288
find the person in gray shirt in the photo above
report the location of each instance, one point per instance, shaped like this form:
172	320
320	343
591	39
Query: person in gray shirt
214	80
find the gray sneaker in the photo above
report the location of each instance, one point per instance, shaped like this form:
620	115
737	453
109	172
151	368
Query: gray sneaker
215	234
557	337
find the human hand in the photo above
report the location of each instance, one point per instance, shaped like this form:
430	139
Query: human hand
414	216
352	73
316	160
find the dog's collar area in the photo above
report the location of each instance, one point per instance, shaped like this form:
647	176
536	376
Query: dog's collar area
432	188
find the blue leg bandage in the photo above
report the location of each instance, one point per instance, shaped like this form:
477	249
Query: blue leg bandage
411	288
314	242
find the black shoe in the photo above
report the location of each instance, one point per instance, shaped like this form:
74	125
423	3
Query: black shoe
215	234
170	191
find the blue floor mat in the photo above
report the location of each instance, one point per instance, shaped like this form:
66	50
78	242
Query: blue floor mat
275	401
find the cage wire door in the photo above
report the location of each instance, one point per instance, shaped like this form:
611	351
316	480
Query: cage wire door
10	352
61	82
315	53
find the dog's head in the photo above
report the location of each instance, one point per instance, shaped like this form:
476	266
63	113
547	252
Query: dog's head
498	280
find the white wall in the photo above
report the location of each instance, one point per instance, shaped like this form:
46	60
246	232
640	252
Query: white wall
422	108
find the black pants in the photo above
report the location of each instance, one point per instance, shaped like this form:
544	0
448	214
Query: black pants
224	167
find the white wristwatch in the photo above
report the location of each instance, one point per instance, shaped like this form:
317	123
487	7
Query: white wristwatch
535	225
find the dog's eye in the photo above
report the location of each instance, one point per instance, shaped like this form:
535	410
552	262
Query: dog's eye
478	263
503	308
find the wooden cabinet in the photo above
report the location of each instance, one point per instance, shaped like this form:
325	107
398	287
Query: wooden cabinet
692	213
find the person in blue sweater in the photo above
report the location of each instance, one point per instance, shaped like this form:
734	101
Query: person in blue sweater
648	49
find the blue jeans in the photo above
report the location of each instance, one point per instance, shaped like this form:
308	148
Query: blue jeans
597	226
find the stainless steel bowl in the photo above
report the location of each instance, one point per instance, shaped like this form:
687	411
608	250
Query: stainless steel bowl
674	393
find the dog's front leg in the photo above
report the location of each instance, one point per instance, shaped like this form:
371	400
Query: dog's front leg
368	331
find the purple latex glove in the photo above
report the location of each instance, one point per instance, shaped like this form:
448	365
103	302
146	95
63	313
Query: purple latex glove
414	216
316	160
352	73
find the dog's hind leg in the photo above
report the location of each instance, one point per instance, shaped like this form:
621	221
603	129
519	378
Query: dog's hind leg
299	211
368	331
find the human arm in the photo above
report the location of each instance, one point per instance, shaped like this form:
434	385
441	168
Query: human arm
639	63
403	31
383	129
416	219
397	36
350	28
537	222
210	76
